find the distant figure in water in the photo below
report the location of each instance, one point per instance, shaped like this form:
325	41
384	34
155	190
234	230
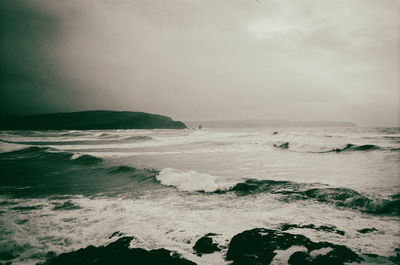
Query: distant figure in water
275	133
200	127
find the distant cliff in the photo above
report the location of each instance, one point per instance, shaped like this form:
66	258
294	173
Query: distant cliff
267	123
87	120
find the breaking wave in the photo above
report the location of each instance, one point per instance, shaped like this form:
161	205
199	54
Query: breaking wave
352	199
343	197
352	147
253	186
347	147
191	180
43	171
44	153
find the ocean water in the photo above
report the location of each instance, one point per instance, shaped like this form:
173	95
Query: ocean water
65	190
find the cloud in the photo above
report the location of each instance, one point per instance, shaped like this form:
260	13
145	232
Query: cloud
223	59
26	34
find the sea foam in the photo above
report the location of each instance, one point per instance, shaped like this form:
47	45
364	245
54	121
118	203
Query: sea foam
192	180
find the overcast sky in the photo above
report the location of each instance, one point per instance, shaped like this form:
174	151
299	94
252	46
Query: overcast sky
204	59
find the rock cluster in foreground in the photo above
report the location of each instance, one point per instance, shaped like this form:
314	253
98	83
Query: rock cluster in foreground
118	253
258	246
206	245
251	247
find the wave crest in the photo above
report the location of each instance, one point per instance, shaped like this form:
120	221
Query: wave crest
343	197
47	153
352	147
191	180
253	186
87	159
347	147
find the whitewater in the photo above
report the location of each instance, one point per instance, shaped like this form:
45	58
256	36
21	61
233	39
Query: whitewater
65	190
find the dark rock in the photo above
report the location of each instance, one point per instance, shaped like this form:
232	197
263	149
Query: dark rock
367	230
211	234
331	229
338	255
51	255
285	227
257	246
118	253
326	228
68	205
372	255
6	255
300	258
205	245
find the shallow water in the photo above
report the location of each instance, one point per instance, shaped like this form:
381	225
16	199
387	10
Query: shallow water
64	190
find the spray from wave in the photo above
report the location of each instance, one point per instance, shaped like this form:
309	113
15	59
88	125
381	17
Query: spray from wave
191	180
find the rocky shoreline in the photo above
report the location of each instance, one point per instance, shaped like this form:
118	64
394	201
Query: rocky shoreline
255	246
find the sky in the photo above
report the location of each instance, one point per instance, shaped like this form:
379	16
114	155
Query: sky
204	59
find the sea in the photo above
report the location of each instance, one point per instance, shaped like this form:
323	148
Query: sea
65	190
